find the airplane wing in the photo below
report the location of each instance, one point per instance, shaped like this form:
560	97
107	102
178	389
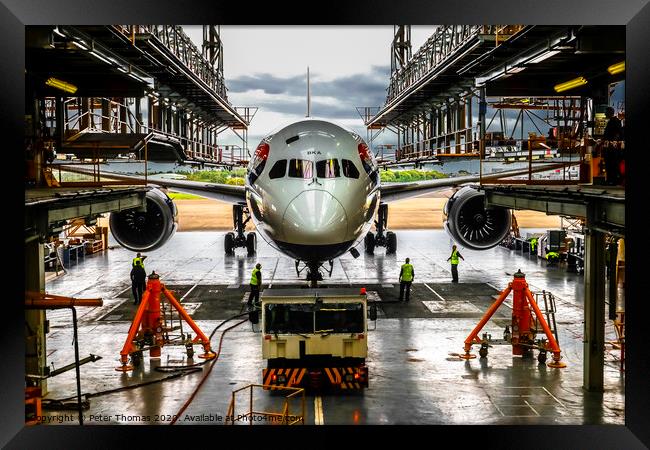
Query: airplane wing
223	192
400	191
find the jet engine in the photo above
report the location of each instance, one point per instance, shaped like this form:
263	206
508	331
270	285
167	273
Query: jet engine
472	225
142	231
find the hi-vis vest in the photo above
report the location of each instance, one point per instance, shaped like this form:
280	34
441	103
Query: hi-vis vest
254	280
454	257
138	260
407	272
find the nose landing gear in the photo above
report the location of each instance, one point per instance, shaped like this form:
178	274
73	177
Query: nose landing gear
314	274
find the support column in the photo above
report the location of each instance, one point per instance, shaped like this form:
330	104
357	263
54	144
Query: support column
35	352
594	331
612	279
482	109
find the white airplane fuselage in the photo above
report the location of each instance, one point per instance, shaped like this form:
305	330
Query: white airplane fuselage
322	199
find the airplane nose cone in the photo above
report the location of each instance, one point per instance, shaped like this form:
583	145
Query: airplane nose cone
315	217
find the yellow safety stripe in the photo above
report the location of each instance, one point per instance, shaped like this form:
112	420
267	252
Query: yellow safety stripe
266	375
329	375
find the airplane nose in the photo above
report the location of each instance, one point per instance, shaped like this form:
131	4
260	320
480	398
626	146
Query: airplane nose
315	217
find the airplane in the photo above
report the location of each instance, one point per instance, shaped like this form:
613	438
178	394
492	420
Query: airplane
313	190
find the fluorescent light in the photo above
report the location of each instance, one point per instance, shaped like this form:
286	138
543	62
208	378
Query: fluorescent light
580	81
59	84
515	69
543	56
616	68
56	30
100	57
80	44
122	69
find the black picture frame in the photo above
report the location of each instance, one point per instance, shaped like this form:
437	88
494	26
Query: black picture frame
634	14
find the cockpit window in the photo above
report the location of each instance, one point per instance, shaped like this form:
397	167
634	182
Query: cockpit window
300	168
279	169
328	168
349	169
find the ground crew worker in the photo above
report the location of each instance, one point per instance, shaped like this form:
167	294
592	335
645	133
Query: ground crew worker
552	258
139	259
455	254
533	244
138	282
256	284
406	275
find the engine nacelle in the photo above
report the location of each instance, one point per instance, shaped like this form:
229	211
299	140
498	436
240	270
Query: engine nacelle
472	225
145	231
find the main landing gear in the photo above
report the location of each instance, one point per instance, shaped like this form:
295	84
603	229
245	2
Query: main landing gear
383	238
314	274
239	238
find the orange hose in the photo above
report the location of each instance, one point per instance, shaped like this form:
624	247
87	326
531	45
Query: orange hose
205	376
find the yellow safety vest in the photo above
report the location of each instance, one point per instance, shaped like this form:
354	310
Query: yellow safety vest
138	260
407	272
254	279
454	257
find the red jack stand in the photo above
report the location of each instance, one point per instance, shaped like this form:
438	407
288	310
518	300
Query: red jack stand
522	337
147	327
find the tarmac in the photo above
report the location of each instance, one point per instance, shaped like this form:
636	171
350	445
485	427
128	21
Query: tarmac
415	374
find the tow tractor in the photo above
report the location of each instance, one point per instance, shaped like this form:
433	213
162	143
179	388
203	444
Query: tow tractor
316	338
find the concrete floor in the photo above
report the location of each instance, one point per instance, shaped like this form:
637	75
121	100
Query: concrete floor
415	375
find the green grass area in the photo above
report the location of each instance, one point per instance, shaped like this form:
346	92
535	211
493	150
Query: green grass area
181	196
235	176
404	176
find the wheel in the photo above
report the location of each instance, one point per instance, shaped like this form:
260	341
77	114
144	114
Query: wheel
229	243
251	244
369	242
391	242
483	352
541	357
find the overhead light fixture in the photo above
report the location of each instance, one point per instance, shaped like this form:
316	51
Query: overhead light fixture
80	44
59	84
580	81
515	69
56	31
543	56
100	57
616	68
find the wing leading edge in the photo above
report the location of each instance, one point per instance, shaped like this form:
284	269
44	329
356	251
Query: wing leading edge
400	191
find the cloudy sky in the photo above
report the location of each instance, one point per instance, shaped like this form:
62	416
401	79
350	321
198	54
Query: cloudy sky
266	66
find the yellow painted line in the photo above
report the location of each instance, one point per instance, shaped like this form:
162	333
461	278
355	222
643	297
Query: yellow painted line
318	411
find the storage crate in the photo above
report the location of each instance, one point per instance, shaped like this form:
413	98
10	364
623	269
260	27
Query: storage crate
94	246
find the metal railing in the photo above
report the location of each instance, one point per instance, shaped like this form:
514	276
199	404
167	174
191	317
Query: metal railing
282	417
445	43
567	161
92	121
174	38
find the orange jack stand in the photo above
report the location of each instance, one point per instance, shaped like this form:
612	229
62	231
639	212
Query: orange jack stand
148	325
522	336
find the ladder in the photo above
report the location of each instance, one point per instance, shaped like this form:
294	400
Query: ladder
549	311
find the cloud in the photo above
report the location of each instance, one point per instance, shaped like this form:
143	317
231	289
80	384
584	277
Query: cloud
332	99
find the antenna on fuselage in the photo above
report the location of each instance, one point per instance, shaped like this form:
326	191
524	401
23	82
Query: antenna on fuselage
308	96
